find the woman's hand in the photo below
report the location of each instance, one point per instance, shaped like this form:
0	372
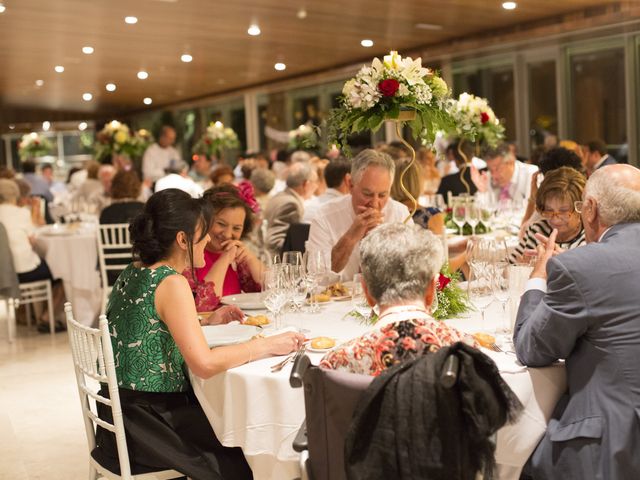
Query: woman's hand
223	315
284	343
230	249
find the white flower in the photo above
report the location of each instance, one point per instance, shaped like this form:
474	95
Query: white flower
423	93
403	90
412	71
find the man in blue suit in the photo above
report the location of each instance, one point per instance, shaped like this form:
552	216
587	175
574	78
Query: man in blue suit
583	305
597	156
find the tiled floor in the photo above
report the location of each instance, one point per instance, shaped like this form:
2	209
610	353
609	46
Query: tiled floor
41	429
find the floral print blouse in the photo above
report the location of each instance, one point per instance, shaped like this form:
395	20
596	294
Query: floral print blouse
235	281
402	336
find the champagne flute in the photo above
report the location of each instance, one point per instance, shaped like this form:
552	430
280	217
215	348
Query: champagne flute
458	214
472	216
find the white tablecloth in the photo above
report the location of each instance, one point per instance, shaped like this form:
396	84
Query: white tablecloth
72	255
252	408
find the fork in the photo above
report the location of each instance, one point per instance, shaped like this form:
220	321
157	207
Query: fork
291	357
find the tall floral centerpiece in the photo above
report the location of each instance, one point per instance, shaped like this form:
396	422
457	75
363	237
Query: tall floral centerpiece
476	122
395	88
33	145
117	139
216	138
305	136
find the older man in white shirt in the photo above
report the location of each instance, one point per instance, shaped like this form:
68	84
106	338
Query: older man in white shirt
508	178
341	224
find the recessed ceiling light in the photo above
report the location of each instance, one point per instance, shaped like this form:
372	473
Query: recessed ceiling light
59	68
87	97
302	13
428	26
82	126
366	43
147	101
142	75
254	30
2	8
280	66
111	87
131	20
39	83
87	50
186	58
46	125
509	5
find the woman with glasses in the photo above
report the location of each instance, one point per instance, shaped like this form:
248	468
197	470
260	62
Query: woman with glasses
555	202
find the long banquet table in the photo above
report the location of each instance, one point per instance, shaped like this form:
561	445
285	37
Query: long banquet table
252	408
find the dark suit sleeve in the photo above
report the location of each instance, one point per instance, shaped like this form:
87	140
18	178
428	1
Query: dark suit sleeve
287	214
548	325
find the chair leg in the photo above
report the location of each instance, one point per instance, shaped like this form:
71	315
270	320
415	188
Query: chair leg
52	320
27	313
11	319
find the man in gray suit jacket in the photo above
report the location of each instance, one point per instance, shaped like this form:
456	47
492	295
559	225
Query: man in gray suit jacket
584	306
287	207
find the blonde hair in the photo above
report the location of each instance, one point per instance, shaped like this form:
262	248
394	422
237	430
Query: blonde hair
563	183
412	182
9	191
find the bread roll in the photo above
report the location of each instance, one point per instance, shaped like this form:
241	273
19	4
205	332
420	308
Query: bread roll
323	343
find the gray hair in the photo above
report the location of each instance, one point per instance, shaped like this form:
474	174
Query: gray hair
616	202
9	191
370	158
263	180
300	156
300	173
398	262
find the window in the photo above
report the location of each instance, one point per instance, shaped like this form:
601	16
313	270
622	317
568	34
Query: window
543	104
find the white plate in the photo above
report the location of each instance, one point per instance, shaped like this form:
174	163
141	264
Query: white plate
245	301
218	335
319	350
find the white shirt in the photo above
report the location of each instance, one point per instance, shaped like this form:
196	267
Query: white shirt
335	218
17	222
186	184
156	159
312	205
520	185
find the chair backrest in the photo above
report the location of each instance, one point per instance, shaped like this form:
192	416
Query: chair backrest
8	277
38	291
330	397
93	362
114	254
296	237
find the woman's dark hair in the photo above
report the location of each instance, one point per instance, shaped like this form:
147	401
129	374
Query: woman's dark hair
166	213
560	157
227	196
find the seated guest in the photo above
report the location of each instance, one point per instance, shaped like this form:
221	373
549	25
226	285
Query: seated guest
508	178
597	156
20	232
459	181
156	336
582	306
400	267
125	191
341	225
201	169
177	176
229	266
221	175
262	181
39	186
555	200
430	173
335	176
287	207
32	203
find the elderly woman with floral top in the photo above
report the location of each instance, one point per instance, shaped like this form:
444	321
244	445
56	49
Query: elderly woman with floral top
400	267
230	267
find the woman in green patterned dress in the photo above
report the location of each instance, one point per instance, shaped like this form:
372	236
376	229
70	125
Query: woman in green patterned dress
156	335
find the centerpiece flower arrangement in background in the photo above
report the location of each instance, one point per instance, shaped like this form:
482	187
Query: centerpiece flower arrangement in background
393	89
215	139
303	137
475	120
33	145
116	138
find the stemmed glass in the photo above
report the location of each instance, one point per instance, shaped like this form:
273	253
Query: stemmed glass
480	291
501	290
292	258
480	256
472	216
359	302
316	270
276	293
458	214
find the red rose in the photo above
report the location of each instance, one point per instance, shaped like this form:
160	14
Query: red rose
443	282
484	117
388	87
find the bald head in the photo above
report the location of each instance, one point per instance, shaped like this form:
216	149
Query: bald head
612	196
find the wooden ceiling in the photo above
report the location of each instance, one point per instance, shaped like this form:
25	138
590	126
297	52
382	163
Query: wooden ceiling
37	35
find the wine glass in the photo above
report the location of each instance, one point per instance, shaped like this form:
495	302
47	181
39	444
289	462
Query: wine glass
501	290
358	300
458	214
472	216
480	255
316	267
292	257
480	292
275	291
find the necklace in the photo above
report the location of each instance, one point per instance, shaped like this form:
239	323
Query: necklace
402	309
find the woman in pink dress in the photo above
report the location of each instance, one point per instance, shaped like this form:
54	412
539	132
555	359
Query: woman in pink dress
230	267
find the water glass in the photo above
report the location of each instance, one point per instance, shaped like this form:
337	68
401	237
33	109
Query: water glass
480	292
276	294
358	300
292	258
501	290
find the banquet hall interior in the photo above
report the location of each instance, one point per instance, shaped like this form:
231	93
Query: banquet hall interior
258	94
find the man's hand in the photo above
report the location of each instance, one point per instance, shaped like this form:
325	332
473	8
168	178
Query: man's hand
544	240
545	251
479	179
366	220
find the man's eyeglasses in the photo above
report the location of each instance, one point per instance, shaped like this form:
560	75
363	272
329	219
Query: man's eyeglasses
578	204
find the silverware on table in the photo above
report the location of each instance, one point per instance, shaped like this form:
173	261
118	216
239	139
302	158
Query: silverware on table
290	358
